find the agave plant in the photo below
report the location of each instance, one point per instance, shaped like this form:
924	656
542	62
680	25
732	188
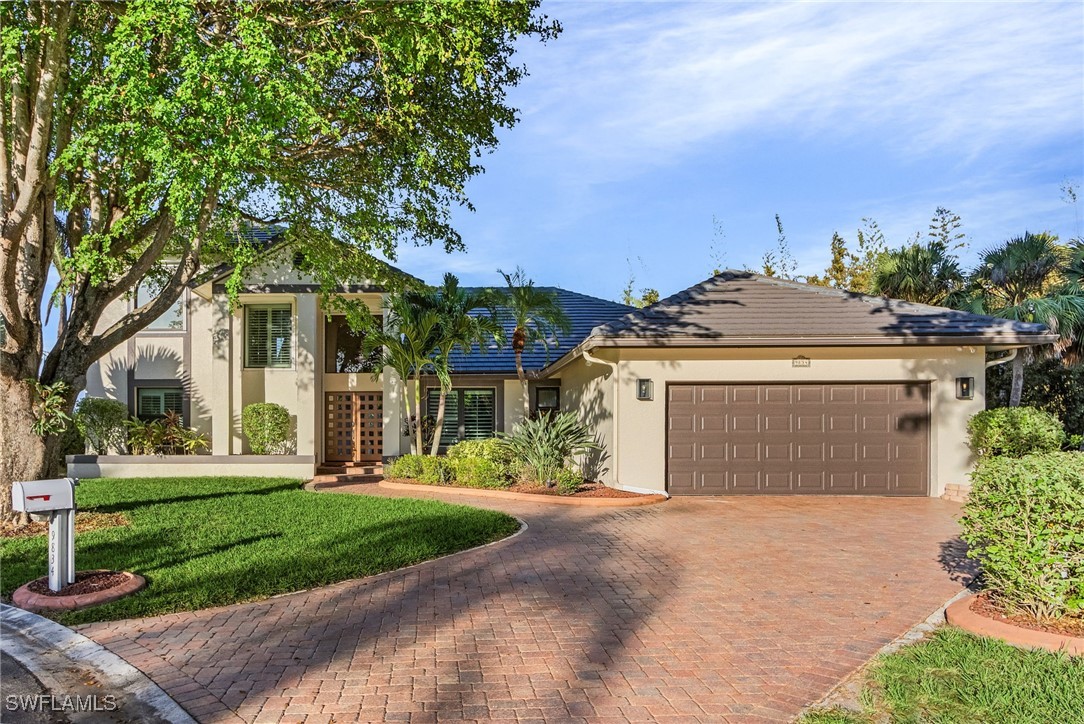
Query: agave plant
548	444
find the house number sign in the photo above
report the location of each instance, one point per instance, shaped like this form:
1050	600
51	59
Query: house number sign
800	361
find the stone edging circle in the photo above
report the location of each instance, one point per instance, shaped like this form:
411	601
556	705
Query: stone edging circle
960	614
23	597
532	497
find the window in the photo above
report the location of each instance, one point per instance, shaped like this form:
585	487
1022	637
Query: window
468	414
152	403
547	399
173	320
343	352
269	336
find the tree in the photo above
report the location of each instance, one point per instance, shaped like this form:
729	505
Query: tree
628	292
456	327
136	138
780	262
1024	279
945	230
405	342
853	270
922	273
537	317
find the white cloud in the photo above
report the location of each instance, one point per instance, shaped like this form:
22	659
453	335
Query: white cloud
629	86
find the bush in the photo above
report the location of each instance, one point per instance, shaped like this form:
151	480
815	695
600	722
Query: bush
1024	522
267	427
405	466
164	437
436	471
546	445
568	481
489	449
1014	432
1049	384
102	424
478	472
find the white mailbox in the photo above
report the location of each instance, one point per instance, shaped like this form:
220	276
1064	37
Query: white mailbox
56	498
42	496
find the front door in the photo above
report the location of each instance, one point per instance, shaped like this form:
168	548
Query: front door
354	427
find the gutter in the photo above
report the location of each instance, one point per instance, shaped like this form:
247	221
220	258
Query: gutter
1002	360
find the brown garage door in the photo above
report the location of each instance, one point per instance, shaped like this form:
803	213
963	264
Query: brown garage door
837	439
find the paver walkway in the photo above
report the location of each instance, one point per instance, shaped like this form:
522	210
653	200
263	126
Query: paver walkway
744	609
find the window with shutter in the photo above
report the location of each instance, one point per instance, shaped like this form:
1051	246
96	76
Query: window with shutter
152	403
269	335
478	418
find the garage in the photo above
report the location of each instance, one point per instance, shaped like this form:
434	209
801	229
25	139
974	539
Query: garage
839	438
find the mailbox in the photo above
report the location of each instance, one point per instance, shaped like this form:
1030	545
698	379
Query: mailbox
43	496
56	499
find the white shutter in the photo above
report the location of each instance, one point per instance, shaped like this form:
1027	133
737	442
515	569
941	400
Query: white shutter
256	343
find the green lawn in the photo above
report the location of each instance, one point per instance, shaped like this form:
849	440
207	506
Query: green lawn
956	677
212	541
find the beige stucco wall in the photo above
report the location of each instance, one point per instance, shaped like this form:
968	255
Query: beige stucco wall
588	390
191	466
639	454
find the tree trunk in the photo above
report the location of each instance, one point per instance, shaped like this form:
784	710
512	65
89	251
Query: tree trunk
23	454
523	384
418	414
440	422
1017	389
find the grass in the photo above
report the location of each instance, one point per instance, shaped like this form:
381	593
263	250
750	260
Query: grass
204	542
953	676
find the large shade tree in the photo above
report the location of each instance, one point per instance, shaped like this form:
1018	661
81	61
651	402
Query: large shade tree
136	138
1029	279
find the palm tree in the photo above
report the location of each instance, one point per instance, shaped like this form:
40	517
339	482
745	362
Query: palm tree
457	328
922	273
1028	279
538	318
405	343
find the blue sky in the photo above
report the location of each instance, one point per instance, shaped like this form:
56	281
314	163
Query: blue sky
643	122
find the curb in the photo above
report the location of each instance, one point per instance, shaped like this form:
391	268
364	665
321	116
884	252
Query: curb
23	597
960	614
57	656
529	497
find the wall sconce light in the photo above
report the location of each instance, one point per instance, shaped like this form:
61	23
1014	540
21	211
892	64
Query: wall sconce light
645	390
965	388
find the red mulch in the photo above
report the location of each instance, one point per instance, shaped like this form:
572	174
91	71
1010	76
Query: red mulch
1066	626
85	582
587	490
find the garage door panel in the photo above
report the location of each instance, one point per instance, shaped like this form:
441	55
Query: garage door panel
841	438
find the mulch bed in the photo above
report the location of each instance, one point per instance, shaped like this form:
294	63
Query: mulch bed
1065	626
86	582
587	490
84	522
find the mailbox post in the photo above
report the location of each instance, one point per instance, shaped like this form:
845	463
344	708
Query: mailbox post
55	498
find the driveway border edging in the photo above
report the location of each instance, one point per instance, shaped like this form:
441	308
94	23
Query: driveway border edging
529	497
961	614
29	631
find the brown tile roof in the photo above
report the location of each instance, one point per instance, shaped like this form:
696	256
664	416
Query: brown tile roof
746	309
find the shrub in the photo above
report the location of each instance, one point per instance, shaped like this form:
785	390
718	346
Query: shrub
267	427
167	436
478	472
1024	522
102	423
489	449
1049	384
568	481
1014	432
405	466
436	471
545	445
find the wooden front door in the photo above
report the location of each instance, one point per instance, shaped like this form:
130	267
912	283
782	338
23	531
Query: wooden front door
354	429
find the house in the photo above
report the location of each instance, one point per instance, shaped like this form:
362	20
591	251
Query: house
741	384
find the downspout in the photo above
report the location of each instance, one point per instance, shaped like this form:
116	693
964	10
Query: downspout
591	359
1002	360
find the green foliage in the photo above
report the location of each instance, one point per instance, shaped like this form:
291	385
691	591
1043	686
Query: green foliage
205	542
167	436
50	407
779	262
922	273
536	314
1014	432
267	427
407	467
647	296
568	481
102	423
436	471
478	472
1024	522
490	449
544	446
1049	384
853	270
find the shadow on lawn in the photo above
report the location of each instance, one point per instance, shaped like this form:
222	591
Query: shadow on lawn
136	504
464	620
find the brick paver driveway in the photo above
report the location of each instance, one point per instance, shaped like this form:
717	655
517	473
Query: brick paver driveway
742	609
